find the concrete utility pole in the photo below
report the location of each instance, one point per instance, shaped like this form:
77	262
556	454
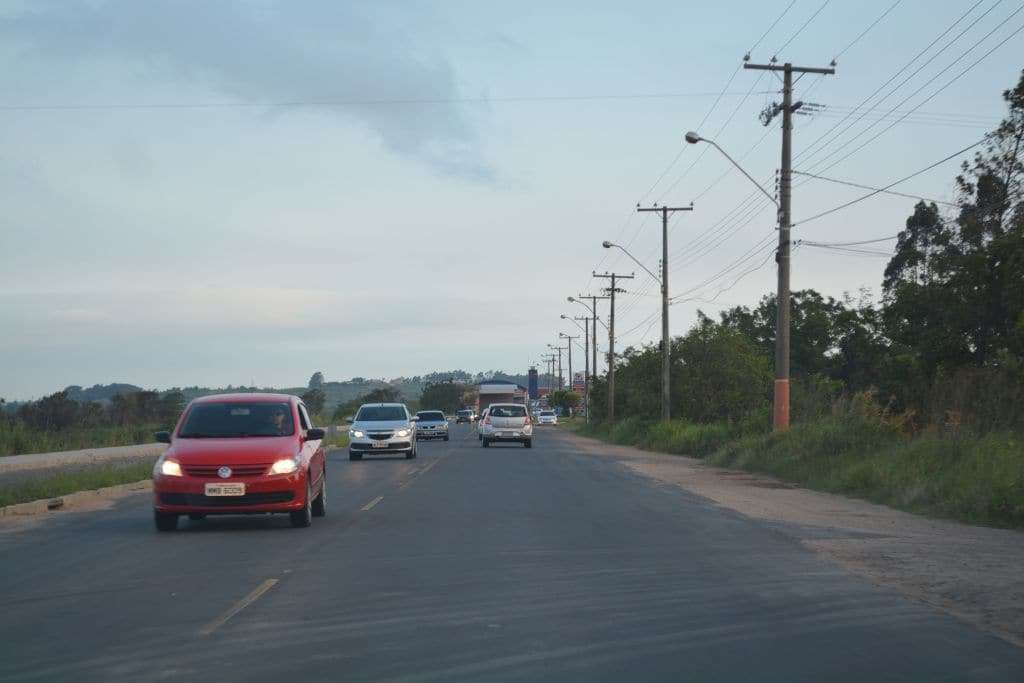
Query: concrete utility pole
612	291
568	343
549	367
781	403
593	338
666	346
559	349
586	363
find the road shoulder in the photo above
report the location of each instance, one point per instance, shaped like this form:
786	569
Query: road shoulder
973	573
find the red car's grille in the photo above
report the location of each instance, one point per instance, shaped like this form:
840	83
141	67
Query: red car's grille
210	471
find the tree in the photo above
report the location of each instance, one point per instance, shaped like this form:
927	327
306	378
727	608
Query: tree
565	399
446	396
314	400
317	380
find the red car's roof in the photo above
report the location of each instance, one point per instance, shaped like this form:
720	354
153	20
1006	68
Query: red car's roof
245	398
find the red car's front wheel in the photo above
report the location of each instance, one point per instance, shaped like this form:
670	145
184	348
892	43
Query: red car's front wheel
304	517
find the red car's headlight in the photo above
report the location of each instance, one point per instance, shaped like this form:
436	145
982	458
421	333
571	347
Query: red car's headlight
168	468
285	466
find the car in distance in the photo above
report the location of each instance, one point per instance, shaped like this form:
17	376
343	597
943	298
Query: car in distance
382	428
464	416
431	424
547	417
241	454
507	422
480	425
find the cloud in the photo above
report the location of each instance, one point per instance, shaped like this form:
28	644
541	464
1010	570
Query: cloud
273	51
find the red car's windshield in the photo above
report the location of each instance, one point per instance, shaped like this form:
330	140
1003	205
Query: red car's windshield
233	420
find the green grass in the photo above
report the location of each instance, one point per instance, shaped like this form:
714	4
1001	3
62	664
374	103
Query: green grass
16	438
339	440
972	478
976	479
55	485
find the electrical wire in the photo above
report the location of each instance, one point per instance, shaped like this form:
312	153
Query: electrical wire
877	189
892	184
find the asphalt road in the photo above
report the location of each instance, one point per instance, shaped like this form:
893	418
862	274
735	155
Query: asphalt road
465	564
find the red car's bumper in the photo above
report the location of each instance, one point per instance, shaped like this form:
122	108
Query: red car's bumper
280	493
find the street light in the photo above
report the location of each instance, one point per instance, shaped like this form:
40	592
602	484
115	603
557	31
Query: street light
693	139
608	245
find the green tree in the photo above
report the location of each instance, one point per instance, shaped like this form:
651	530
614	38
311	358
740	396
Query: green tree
565	399
314	400
316	381
446	396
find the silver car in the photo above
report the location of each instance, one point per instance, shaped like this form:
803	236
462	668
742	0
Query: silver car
382	428
507	422
431	424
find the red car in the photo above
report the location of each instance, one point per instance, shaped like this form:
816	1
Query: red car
241	454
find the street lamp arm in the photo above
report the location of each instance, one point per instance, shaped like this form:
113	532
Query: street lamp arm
624	251
693	138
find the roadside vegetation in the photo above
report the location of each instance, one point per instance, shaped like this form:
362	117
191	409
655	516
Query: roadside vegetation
913	401
72	480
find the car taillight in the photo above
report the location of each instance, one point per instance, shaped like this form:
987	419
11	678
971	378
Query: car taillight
487	420
526	421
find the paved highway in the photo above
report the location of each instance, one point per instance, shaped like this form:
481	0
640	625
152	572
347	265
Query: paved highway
465	564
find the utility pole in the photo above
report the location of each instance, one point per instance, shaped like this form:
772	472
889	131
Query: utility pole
780	408
568	343
612	291
559	349
586	363
666	347
549	365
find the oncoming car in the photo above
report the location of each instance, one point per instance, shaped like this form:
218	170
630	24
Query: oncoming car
464	416
382	428
507	422
241	454
547	417
431	424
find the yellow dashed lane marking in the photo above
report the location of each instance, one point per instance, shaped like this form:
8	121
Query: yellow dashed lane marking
373	502
238	607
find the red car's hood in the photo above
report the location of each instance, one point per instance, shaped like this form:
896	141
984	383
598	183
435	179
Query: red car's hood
253	450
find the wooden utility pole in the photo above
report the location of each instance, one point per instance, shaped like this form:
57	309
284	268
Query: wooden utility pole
612	291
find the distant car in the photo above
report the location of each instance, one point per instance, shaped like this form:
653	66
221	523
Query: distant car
480	425
431	424
382	428
547	417
464	416
241	454
507	422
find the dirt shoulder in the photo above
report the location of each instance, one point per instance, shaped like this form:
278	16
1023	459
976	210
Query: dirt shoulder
973	573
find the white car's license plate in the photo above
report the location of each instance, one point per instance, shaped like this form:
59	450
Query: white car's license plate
379	444
228	489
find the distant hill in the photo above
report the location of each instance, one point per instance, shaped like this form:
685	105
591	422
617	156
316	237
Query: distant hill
99	392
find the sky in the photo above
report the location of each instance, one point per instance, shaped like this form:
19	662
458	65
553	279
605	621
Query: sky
229	192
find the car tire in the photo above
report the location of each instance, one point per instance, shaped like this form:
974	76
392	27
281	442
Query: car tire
411	454
445	437
352	455
320	503
486	442
197	516
528	443
304	517
165	521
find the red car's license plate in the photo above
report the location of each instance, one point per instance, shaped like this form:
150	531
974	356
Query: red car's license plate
226	489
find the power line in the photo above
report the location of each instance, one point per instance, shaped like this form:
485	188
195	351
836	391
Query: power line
865	31
922	87
362	102
876	189
892	184
805	25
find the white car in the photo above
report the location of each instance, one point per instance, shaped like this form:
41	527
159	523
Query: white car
382	428
507	422
547	417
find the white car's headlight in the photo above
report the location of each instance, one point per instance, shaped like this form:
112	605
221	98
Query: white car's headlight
168	468
285	466
356	433
402	432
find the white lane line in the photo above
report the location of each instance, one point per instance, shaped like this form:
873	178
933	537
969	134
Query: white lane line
373	502
427	468
238	607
